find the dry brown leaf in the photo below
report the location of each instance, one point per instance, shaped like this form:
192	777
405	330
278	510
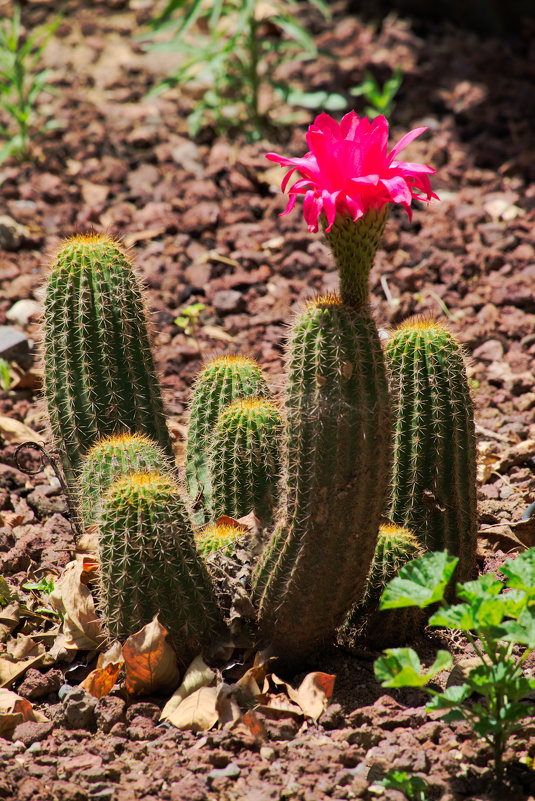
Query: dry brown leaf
196	676
9	619
150	661
102	679
15	710
252	724
227	706
525	531
197	712
131	238
24	646
11	669
215	332
314	693
279	706
73	599
14	432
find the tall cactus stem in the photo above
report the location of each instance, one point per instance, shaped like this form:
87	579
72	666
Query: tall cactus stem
335	474
99	374
433	488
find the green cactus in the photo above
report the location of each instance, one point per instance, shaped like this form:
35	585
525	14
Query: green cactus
99	375
433	489
244	459
221	381
336	465
109	459
395	547
149	564
221	537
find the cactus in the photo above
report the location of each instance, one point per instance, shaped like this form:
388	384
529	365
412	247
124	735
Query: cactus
219	537
244	462
149	564
99	375
395	547
335	474
221	381
109	459
433	489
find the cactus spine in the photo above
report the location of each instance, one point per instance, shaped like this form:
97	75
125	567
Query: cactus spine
219	537
149	564
244	463
221	381
335	475
109	459
99	375
395	547
433	488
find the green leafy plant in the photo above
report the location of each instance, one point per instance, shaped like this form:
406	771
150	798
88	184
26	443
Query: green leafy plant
230	48
380	98
188	319
5	377
21	83
499	622
413	787
44	585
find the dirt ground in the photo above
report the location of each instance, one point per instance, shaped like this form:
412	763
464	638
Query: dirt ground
201	219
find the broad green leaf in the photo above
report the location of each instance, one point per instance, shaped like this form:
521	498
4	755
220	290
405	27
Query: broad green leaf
401	667
521	631
450	698
521	572
485	585
459	616
421	582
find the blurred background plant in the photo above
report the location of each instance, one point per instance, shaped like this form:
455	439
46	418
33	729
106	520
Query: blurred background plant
231	49
188	319
380	98
5	375
21	83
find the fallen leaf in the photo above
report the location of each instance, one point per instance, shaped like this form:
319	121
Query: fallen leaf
215	332
197	712
102	679
227	706
525	531
314	693
150	661
72	598
14	432
196	676
130	239
9	618
253	725
15	710
11	668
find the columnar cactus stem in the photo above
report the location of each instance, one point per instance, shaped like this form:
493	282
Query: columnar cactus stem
433	488
334	481
221	381
99	374
109	459
354	245
149	564
244	459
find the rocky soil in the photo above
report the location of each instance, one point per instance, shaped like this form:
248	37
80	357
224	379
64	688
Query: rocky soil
201	219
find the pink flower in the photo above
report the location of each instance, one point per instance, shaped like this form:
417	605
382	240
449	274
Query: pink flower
348	170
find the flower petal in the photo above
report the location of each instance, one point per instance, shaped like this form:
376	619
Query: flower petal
404	141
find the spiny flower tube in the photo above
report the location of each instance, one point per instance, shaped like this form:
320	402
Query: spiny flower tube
349	179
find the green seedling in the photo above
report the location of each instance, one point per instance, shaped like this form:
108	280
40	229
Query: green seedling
5	376
230	49
413	787
380	99
499	622
44	585
188	319
21	83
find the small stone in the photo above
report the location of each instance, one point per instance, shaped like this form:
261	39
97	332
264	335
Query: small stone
31	732
12	233
143	709
64	690
79	709
37	684
13	343
109	711
231	771
23	310
332	718
268	753
489	351
228	301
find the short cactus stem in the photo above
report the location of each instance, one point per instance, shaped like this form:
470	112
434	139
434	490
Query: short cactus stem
220	537
336	463
221	381
396	546
149	564
433	489
244	459
99	374
354	245
109	459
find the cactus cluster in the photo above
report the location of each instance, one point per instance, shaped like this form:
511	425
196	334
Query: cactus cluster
317	470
